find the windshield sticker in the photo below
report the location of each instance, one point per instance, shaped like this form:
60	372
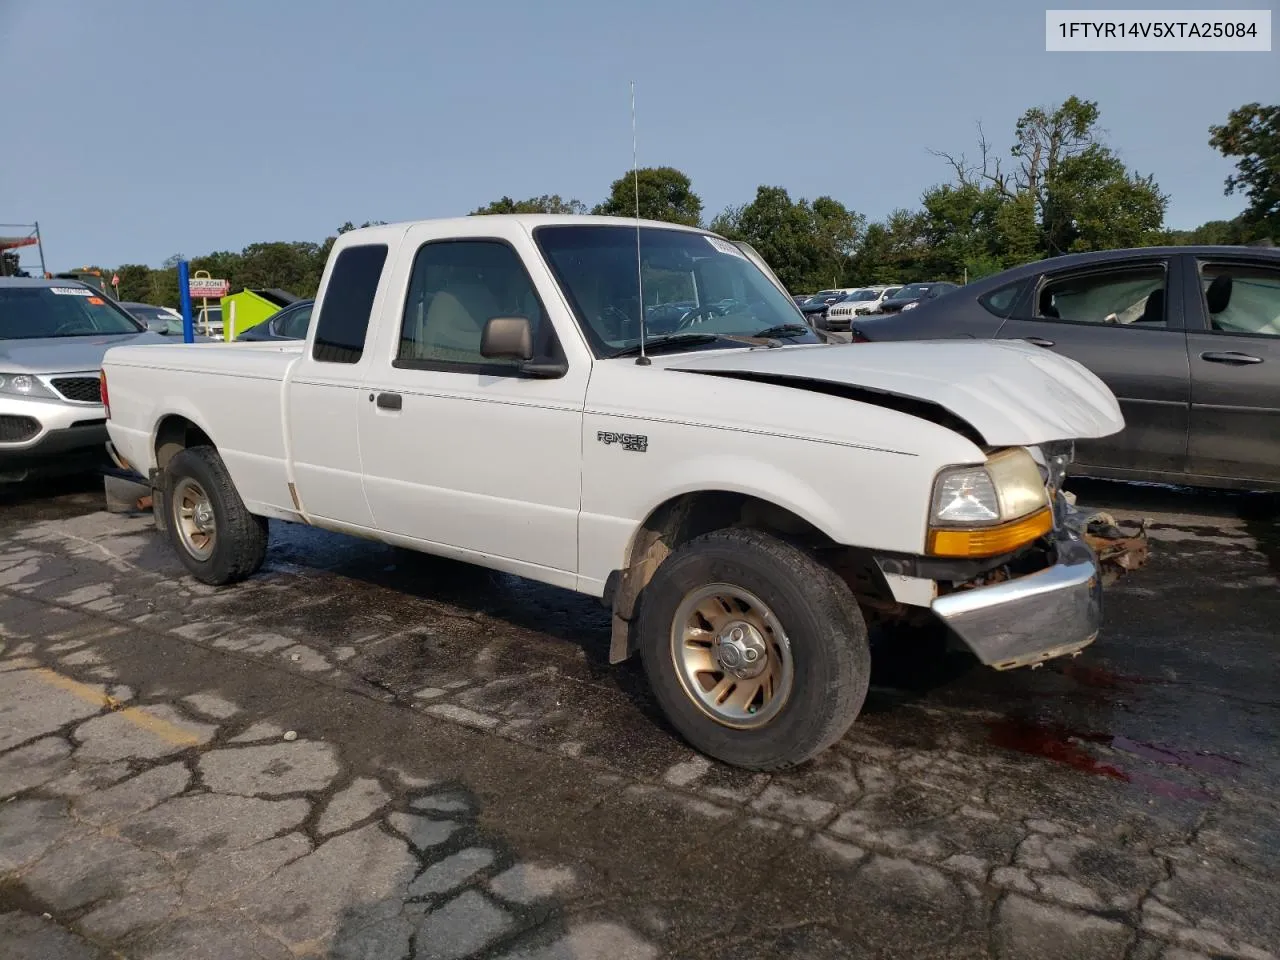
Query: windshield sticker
724	246
72	291
96	301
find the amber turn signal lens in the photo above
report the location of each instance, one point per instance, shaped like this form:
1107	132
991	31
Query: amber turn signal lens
990	541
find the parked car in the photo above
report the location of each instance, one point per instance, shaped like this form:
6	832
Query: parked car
860	303
743	497
208	321
164	320
53	334
291	323
913	295
816	306
1188	338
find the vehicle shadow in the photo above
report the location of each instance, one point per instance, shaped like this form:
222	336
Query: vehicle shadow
51	497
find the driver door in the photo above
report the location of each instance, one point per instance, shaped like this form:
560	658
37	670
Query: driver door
465	453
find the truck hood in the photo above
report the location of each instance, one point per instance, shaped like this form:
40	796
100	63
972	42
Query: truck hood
1010	393
66	354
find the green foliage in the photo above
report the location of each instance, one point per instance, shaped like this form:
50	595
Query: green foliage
1215	232
547	203
666	194
135	282
1252	134
295	266
808	245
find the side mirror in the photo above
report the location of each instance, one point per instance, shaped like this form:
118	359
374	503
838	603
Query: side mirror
511	338
507	338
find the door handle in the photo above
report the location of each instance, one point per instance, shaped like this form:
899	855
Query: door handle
1039	341
1231	357
390	401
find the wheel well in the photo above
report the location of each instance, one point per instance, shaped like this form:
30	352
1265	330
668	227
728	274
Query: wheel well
175	434
691	515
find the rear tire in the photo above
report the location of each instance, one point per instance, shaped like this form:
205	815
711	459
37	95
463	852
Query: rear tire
804	617
215	536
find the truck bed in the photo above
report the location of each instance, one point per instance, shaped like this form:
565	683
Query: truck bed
242	382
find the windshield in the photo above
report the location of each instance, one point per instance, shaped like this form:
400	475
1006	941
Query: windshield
911	291
860	295
30	313
691	282
148	313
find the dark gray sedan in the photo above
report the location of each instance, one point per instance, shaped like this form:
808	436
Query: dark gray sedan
1188	339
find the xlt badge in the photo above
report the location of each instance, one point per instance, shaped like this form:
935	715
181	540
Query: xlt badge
637	443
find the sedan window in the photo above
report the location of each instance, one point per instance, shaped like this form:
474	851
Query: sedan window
1134	295
1001	300
1242	299
294	326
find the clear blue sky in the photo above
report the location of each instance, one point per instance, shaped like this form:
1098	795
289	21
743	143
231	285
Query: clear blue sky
133	130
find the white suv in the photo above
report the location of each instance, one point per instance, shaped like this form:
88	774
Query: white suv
860	303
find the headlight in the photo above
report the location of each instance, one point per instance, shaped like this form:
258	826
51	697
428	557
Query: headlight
23	385
910	306
989	510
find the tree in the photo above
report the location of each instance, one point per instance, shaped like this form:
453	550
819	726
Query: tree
349	226
1093	204
665	194
547	203
1252	133
1212	233
1082	196
960	226
808	245
135	282
895	251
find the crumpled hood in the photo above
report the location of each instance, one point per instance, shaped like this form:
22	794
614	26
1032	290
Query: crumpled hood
1012	393
66	354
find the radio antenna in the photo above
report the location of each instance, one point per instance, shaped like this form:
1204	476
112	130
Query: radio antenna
643	359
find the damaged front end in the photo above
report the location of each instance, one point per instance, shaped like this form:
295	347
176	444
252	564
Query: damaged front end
1044	601
1119	550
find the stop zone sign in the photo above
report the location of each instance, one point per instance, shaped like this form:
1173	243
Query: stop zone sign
208	288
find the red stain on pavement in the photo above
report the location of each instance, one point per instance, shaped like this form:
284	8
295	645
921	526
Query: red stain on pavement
1069	748
1052	743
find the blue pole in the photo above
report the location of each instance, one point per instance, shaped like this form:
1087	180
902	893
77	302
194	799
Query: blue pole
184	291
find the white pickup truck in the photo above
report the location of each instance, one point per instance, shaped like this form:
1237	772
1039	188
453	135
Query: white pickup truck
744	497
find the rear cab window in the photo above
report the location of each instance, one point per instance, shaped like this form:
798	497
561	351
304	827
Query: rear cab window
342	325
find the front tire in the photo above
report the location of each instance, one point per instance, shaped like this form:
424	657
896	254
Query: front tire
215	536
756	652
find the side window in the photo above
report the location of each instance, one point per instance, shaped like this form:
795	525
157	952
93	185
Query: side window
1242	299
348	301
999	302
456	287
294	326
1129	296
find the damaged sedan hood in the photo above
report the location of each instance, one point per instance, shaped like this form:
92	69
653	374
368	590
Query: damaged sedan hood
1010	393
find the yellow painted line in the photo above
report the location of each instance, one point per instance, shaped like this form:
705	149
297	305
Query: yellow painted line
166	731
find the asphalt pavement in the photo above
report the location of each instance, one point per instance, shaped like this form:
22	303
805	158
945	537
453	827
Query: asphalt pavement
364	753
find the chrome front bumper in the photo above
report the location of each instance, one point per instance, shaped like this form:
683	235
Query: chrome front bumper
1035	617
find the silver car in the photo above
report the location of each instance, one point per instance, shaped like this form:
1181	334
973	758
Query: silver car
53	334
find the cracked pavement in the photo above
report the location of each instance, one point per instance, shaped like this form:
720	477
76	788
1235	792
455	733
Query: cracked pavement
362	753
